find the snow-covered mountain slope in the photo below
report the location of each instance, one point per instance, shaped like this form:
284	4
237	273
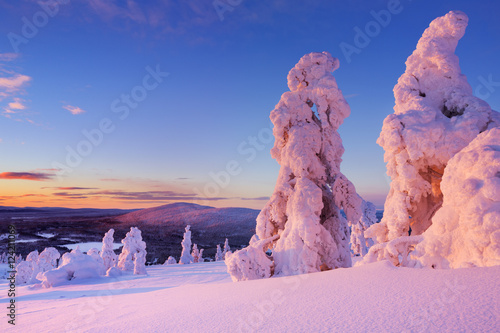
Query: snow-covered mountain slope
201	298
231	221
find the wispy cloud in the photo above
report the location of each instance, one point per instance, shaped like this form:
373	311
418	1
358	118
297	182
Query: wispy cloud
73	109
12	84
36	176
71	188
143	196
256	198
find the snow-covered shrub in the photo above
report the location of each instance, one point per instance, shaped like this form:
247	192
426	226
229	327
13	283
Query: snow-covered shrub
251	262
435	116
195	253
74	265
95	253
359	244
186	257
133	256
24	272
218	255
200	256
47	260
465	232
28	270
108	255
304	209
170	261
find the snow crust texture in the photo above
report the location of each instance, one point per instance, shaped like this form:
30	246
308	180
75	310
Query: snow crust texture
435	117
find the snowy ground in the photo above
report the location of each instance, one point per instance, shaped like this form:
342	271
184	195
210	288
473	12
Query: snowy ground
201	298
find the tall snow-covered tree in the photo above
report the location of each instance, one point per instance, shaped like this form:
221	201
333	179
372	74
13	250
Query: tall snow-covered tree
133	256
465	231
108	255
218	254
302	223
227	249
435	116
186	257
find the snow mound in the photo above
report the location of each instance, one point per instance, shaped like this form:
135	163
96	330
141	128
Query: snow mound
466	230
75	266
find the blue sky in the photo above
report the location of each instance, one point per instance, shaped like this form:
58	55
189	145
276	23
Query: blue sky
224	78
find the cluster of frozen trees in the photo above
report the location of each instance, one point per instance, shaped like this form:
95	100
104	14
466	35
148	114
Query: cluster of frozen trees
44	268
442	152
191	254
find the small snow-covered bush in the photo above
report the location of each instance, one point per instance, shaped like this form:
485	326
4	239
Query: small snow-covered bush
27	270
47	260
74	266
170	261
251	262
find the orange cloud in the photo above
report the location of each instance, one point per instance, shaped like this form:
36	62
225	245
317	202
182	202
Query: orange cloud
37	176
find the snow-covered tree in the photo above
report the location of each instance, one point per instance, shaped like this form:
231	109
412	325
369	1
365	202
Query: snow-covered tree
186	257
465	232
304	210
218	254
200	256
251	262
27	270
359	244
170	261
133	256
227	248
435	116
195	253
95	254
107	254
47	260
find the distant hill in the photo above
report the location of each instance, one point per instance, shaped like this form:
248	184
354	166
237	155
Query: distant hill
230	221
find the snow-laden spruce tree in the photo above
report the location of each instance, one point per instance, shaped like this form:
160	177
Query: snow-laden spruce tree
359	244
227	249
108	256
186	257
302	223
465	232
218	254
133	256
435	116
195	253
47	260
170	261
